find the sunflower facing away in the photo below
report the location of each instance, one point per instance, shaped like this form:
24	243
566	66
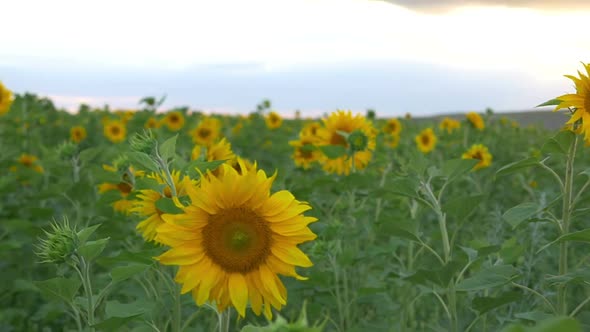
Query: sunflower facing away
77	134
426	140
124	187
475	120
580	101
480	152
449	125
273	120
115	131
174	120
329	135
5	99
206	132
306	153
146	203
234	239
392	127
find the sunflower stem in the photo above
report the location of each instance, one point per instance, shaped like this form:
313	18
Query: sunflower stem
566	215
224	320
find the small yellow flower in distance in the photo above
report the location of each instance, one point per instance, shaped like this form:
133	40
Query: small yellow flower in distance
475	120
31	162
206	132
273	120
426	140
306	153
579	100
174	120
344	121
234	239
115	131
392	141
78	134
449	125
480	152
6	99
311	129
151	123
392	127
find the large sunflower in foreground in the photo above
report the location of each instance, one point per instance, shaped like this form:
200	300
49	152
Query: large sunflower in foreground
344	121
146	203
579	100
115	131
481	153
426	140
5	99
234	239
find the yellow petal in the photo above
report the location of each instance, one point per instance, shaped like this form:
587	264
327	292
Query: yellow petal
291	255
238	292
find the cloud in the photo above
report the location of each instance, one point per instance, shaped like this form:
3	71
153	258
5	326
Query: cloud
447	5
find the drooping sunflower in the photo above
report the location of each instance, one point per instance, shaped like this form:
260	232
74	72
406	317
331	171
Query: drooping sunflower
124	187
449	125
426	140
579	100
206	132
218	151
151	123
234	239
115	131
174	120
5	99
344	121
77	134
273	120
146	203
475	120
481	153
306	153
392	127
30	161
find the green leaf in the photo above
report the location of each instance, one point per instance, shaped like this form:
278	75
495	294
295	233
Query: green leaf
404	234
118	309
460	208
88	155
487	303
441	276
148	183
533	316
114	323
333	151
579	236
84	234
559	144
168	148
551	102
166	205
517	166
202	166
92	249
557	324
125	272
517	214
59	288
405	187
143	160
578	276
490	277
455	168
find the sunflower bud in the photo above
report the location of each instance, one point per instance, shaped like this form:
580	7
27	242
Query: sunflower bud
66	150
61	243
358	141
144	143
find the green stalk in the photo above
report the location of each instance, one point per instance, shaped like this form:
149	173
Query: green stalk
566	215
224	319
177	315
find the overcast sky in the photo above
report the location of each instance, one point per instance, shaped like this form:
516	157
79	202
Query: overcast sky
396	56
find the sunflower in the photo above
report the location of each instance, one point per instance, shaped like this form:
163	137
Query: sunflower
238	162
174	120
475	120
146	203
5	99
206	132
426	140
449	125
343	121
480	152
237	128
273	120
124	187
151	123
392	141
580	101
125	115
234	239
311	129
115	131
78	134
306	153
31	162
392	127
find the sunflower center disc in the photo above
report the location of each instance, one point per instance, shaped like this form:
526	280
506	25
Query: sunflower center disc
587	102
338	139
237	239
115	130
204	132
425	139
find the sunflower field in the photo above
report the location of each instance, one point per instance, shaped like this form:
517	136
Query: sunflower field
176	220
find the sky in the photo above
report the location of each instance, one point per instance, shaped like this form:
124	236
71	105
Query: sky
419	56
